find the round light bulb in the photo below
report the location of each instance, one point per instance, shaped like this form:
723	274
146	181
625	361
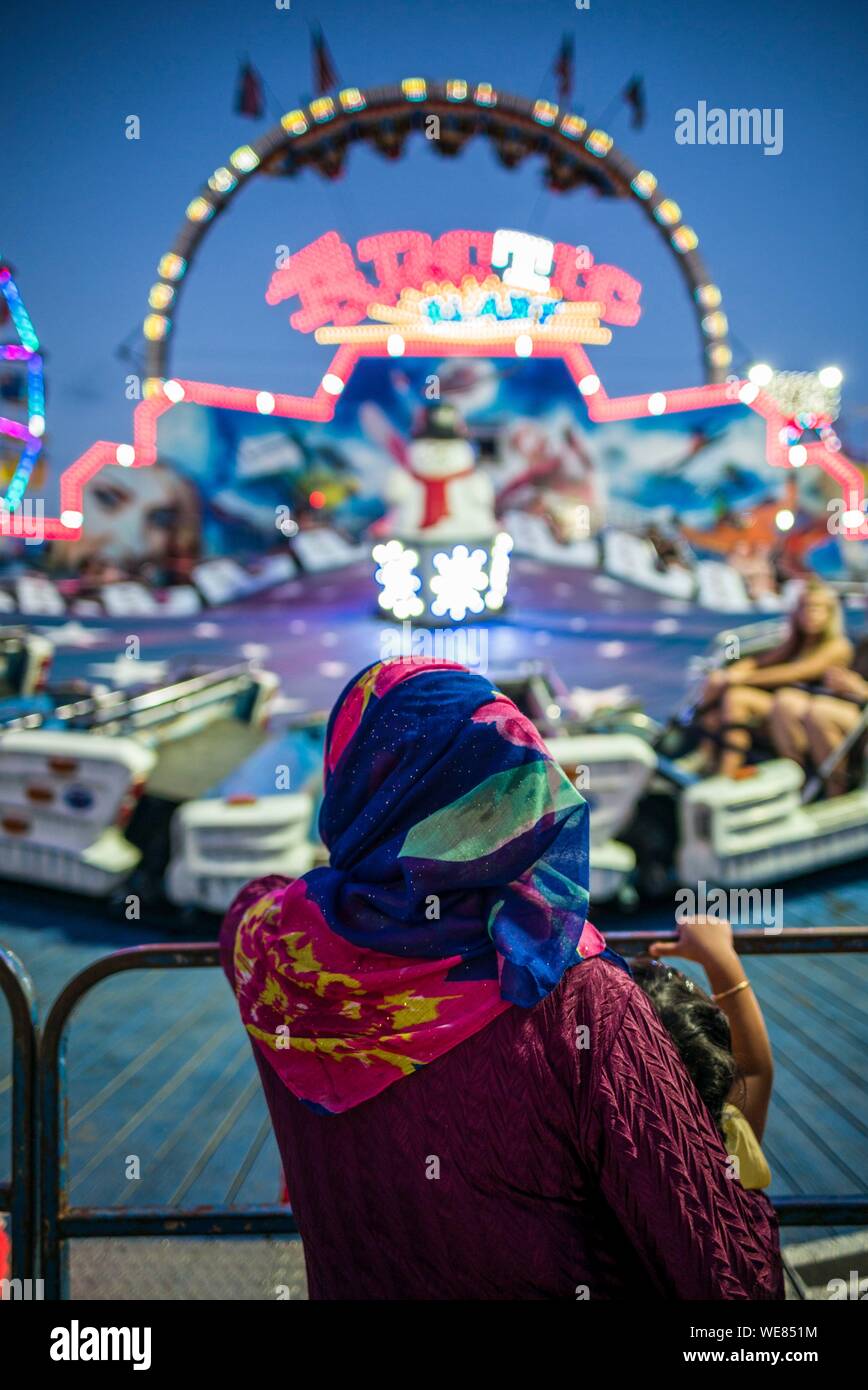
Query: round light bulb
831	377
761	374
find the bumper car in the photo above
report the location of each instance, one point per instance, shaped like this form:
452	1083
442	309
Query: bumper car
762	831
244	828
774	825
88	785
219	845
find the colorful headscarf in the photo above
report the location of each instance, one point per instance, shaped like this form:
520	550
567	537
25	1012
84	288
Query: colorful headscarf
457	887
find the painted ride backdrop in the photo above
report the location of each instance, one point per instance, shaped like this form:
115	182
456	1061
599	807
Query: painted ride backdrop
222	474
716	471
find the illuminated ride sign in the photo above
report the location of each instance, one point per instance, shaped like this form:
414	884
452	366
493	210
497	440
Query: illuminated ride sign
463	287
488	294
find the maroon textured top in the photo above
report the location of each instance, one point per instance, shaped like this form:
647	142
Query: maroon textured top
521	1165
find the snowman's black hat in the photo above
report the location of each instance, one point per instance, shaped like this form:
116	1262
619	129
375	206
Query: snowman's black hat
440	421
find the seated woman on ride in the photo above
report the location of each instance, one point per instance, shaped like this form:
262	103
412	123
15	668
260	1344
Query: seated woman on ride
754	695
817	724
471	1097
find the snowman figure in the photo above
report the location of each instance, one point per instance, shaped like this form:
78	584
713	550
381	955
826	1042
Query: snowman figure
439	494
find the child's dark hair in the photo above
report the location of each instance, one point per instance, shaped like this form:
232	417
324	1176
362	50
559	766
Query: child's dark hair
698	1028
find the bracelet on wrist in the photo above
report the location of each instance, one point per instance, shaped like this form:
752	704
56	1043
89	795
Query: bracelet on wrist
725	993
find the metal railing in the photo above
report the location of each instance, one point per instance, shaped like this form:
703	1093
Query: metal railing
18	1196
761	941
61	1222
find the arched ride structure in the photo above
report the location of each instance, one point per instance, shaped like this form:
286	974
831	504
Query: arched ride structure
450	113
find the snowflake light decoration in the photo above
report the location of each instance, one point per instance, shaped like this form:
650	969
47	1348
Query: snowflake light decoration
400	584
459	583
425	581
499	572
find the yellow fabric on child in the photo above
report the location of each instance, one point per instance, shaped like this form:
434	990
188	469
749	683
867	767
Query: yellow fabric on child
743	1145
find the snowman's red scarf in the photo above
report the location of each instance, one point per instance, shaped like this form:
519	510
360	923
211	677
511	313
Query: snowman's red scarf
435	496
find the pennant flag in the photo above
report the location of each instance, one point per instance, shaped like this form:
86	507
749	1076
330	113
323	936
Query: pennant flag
634	95
325	74
563	68
248	98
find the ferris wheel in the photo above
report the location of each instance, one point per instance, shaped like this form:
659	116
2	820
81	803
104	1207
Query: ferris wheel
22	393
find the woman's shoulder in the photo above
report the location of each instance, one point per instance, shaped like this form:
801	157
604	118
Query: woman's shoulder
244	900
597	994
601	980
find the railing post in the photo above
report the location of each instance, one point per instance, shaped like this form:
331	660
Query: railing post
54	1261
18	989
53	1094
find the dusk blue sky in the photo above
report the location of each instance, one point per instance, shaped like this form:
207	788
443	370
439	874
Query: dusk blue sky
87	213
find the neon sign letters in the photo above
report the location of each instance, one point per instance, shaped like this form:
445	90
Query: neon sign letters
333	291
